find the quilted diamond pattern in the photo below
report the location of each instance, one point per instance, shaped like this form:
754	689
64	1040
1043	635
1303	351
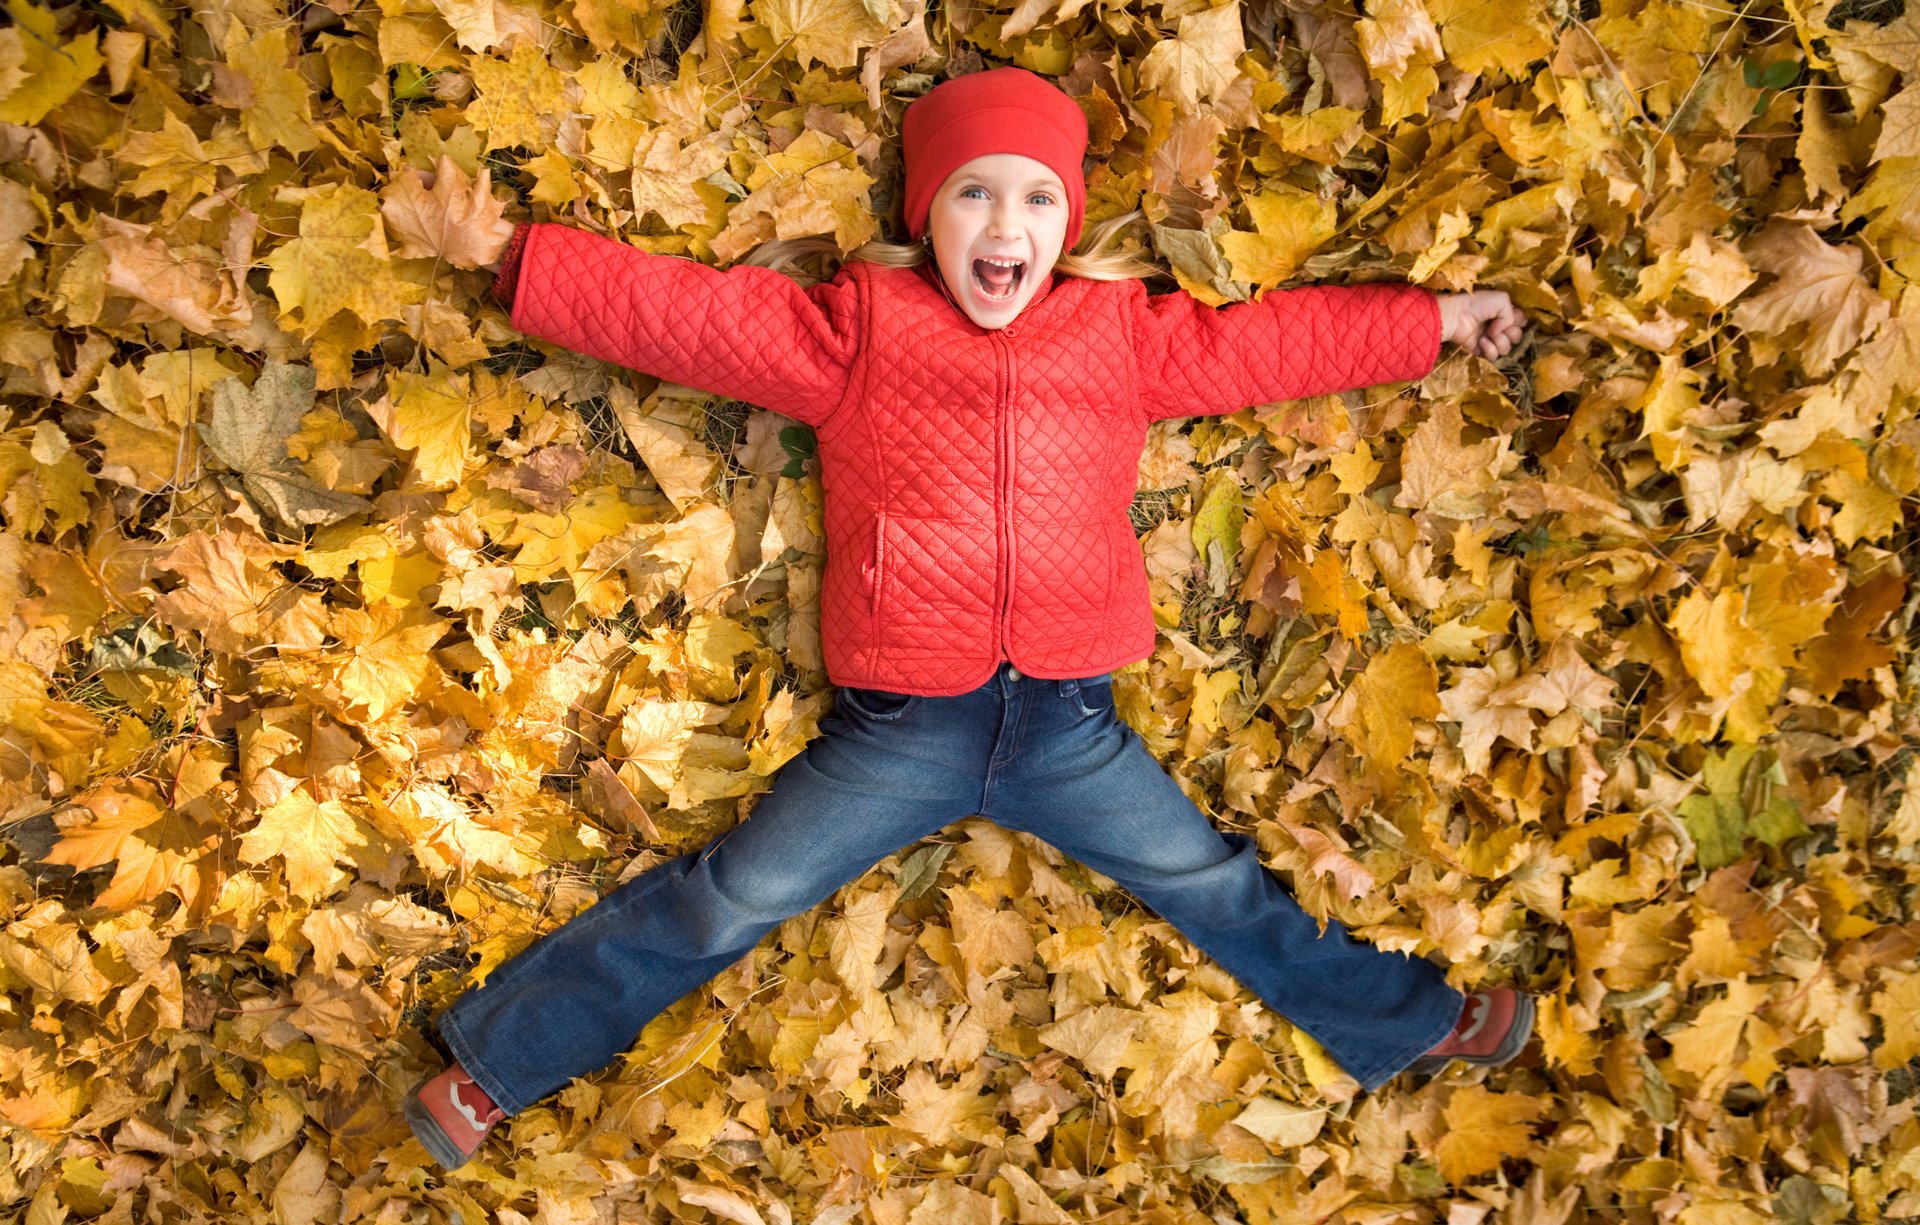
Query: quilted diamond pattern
977	483
748	333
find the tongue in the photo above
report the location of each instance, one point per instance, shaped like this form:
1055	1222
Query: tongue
998	279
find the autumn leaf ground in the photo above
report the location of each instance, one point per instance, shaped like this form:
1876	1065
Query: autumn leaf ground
351	639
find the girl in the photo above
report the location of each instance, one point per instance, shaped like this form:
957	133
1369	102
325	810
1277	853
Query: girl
979	420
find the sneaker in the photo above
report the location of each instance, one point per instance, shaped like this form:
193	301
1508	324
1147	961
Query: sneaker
451	1115
1493	1027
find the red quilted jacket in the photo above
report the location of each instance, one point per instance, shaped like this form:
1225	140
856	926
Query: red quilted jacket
977	482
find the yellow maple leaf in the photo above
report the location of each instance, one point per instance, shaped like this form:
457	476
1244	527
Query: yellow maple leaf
141	265
1567	1035
152	849
1485	1128
665	430
1899	125
388	655
655	736
1484	38
231	595
1487	708
309	837
343	1010
816	185
555	184
1178	1039
1867	510
173	161
940	1113
830	31
1728	1034
339	262
1897	1004
49	71
448	214
1717	644
1289	224
274	100
1098	1036
1400	684
668	176
1444	475
616	26
430	415
517	99
1817	285
1396	33
988	937
1198	62
714	642
550	545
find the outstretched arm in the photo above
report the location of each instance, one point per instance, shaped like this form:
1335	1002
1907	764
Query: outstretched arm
746	332
1198	360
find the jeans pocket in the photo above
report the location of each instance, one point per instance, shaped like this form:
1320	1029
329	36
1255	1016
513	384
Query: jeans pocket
1090	696
879	705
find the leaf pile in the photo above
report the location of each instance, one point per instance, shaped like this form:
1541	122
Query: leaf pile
352	639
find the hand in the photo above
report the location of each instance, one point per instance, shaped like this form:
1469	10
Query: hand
1485	322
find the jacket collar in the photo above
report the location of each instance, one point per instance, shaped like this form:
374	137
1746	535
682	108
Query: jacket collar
930	273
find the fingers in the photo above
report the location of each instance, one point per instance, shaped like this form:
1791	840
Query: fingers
1484	322
1496	339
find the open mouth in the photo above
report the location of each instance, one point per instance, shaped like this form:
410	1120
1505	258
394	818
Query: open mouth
997	281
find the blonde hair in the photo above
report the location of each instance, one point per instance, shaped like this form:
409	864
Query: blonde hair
1091	259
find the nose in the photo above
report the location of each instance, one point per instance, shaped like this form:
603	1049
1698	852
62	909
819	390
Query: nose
1000	221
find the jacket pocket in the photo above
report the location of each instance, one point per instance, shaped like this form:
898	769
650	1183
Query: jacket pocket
876	567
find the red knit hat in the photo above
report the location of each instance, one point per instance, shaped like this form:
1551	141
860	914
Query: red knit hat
1002	110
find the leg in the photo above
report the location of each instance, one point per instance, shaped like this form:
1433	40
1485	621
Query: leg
576	998
1098	795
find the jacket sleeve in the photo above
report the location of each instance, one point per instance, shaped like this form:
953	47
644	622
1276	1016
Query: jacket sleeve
1199	360
746	332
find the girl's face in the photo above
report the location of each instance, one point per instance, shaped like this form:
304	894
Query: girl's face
993	210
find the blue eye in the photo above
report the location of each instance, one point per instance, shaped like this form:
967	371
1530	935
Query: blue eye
1040	195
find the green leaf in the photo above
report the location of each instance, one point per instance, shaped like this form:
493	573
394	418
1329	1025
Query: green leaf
1719	829
800	445
920	869
1740	803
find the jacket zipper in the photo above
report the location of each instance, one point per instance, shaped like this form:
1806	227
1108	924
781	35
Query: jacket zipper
1003	516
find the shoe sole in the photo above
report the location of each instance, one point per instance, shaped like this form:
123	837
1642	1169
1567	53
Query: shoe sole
432	1136
1518	1035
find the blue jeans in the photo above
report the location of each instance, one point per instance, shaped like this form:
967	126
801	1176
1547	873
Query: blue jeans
1046	757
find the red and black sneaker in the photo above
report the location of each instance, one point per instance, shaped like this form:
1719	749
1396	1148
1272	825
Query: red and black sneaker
451	1116
1493	1027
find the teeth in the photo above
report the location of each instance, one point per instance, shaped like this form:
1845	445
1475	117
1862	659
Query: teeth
1017	265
